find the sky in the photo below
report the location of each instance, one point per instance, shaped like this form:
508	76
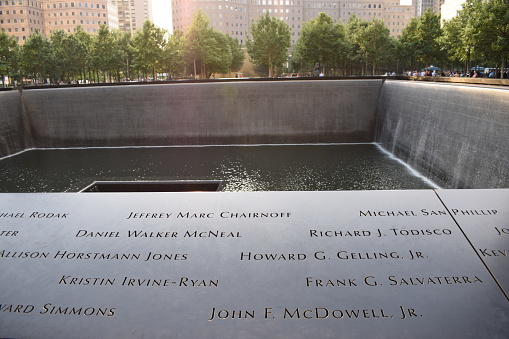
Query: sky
161	11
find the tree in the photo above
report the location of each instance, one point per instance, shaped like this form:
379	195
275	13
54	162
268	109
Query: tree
149	44
77	53
321	42
353	26
126	51
219	56
458	42
199	42
102	48
378	43
497	33
173	54
209	51
488	21
8	54
405	45
121	51
237	54
36	57
421	38
62	52
82	58
270	42
479	33
372	41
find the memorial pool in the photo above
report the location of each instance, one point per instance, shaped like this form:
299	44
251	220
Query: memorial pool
317	167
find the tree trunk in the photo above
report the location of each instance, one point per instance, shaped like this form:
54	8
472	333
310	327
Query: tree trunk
270	67
467	63
128	76
502	66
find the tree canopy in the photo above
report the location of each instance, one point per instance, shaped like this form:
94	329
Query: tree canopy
270	42
8	56
209	51
483	27
479	35
113	55
373	42
149	44
421	40
321	43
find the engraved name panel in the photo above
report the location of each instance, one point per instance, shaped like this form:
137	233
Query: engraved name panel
252	265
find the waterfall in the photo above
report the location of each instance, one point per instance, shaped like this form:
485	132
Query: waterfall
457	136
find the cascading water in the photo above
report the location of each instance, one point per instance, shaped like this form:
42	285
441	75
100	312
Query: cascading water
457	145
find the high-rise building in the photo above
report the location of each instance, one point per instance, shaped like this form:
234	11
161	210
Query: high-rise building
67	15
432	5
233	17
395	15
21	18
133	13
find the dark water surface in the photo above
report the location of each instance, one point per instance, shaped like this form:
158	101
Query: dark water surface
241	168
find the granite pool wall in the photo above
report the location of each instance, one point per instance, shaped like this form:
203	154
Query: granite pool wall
203	113
456	135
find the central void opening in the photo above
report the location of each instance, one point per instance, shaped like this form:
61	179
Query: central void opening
153	186
308	167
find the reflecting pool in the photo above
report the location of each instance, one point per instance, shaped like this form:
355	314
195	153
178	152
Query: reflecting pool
322	167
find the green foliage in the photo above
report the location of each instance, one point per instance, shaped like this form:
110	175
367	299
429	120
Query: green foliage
219	56
198	39
479	35
270	42
59	56
83	47
149	44
103	52
457	41
209	51
372	41
237	54
321	43
369	43
126	51
420	41
36	57
491	30
8	56
111	54
173	53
